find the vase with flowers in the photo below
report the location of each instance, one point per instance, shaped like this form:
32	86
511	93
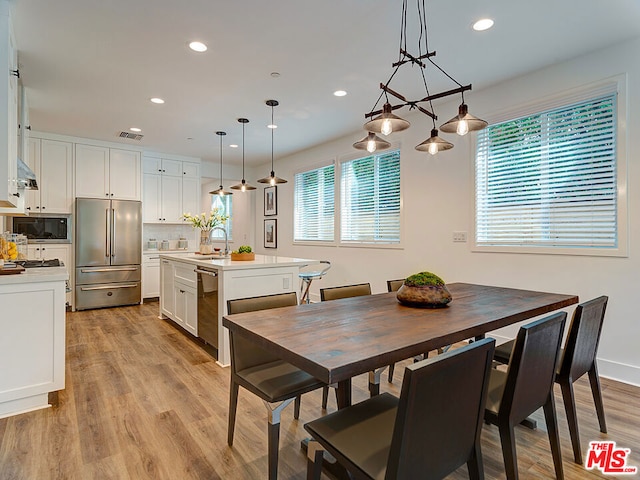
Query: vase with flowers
206	222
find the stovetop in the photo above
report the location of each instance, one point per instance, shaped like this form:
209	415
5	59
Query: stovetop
39	263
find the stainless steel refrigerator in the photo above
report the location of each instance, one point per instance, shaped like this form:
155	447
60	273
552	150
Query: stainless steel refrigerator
108	253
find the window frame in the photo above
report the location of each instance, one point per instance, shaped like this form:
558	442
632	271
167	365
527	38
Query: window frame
617	84
217	236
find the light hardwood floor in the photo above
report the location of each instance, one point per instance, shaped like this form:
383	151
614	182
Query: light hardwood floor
144	401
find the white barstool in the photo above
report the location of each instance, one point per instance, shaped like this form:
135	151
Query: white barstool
310	273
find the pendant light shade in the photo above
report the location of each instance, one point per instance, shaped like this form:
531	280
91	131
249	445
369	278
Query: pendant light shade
272	179
243	186
371	143
221	191
463	123
434	144
386	122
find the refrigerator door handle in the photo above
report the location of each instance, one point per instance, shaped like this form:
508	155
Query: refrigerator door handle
102	270
108	235
107	287
113	232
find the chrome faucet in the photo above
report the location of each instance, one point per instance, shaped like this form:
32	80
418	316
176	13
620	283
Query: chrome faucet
226	239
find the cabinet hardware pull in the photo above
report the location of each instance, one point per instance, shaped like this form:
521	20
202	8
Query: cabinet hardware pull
17	194
100	270
16	72
206	272
181	291
107	287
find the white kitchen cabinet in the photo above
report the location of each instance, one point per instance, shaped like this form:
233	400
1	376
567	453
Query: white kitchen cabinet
167	297
9	194
49	251
170	188
186	314
32	344
52	162
107	172
150	275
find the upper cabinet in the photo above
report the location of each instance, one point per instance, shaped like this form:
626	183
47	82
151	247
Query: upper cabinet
170	188
9	194
103	172
52	162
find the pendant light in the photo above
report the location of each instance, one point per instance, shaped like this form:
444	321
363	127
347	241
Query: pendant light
221	191
371	143
464	122
243	186
386	122
272	179
434	144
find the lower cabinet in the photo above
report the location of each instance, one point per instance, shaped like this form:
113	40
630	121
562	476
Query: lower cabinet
150	275
50	251
167	295
186	314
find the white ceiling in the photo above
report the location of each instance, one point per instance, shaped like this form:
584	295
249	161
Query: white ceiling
90	66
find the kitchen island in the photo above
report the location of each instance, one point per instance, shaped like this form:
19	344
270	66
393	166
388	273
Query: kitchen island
194	290
32	344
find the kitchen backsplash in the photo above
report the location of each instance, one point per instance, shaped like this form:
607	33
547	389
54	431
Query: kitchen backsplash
171	233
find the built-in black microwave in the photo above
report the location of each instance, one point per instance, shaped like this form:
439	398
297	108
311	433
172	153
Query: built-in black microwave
43	228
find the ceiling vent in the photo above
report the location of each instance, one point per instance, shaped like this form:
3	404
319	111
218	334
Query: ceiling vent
131	136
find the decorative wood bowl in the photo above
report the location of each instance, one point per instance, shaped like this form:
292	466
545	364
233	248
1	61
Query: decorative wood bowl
426	296
243	256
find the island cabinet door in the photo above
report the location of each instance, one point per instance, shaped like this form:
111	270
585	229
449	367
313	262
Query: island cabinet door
186	308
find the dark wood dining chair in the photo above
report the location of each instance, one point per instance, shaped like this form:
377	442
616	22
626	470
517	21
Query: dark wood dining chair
394	285
578	358
348	291
422	434
276	382
526	386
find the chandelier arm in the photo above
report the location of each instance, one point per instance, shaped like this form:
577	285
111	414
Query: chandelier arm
367	115
442	70
447	93
433	116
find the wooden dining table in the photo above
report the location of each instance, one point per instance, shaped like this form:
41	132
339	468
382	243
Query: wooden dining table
338	340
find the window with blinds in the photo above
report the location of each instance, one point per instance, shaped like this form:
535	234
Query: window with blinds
314	205
549	179
370	199
224	205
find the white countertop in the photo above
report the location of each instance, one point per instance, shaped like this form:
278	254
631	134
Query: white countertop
33	275
261	261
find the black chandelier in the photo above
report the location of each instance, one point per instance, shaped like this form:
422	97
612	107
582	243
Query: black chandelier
385	122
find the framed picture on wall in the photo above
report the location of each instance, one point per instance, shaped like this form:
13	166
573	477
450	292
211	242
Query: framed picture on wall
271	233
270	201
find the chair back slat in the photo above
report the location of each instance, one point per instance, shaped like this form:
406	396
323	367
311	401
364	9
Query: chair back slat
439	417
245	353
335	293
583	338
532	367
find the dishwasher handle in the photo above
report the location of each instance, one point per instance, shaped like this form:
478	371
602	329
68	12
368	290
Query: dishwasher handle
206	272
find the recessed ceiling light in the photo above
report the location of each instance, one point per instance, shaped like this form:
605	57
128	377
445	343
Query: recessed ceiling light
483	24
271	125
157	100
233	145
339	93
275	74
198	47
135	129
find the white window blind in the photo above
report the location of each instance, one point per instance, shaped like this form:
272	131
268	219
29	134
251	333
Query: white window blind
370	199
314	209
549	179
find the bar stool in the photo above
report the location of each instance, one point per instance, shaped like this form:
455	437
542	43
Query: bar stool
312	272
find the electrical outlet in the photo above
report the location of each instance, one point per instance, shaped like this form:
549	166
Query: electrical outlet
460	237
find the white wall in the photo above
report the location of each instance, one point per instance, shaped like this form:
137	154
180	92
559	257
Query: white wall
438	199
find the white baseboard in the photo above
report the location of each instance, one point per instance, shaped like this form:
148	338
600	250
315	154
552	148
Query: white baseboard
620	372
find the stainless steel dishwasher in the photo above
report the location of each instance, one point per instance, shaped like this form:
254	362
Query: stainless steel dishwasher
208	305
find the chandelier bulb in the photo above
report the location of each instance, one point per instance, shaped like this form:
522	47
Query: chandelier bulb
386	127
243	188
272	182
371	145
433	148
463	127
